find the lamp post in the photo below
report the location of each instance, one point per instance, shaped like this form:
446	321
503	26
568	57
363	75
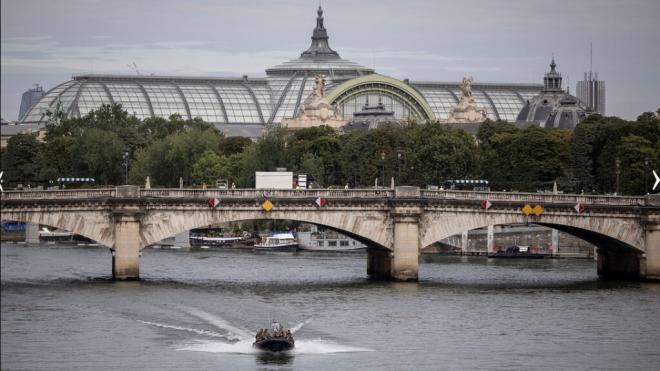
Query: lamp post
618	174
382	160
399	156
125	157
646	172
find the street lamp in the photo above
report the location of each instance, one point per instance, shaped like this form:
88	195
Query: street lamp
646	172
618	173
382	159
399	155
125	157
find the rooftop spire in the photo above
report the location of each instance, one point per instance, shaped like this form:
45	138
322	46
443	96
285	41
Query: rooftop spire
320	49
552	79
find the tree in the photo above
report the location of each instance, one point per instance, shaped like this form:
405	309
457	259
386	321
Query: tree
55	158
439	154
168	159
20	159
210	168
232	145
98	154
632	153
525	160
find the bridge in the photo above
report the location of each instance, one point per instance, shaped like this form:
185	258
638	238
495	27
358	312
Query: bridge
395	223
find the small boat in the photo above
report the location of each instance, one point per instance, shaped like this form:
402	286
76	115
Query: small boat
196	241
516	252
278	340
47	235
278	242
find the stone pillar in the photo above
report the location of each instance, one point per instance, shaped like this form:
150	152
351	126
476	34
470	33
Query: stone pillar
555	242
650	264
405	262
379	263
464	242
490	240
126	249
31	234
405	234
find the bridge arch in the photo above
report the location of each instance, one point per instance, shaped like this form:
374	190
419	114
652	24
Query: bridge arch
93	225
616	233
370	229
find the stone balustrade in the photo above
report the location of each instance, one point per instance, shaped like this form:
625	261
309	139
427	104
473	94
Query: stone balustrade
337	193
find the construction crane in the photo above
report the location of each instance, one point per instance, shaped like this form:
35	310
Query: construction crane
133	66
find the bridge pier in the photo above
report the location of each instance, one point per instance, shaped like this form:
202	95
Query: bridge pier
126	249
379	263
619	264
650	264
31	233
405	259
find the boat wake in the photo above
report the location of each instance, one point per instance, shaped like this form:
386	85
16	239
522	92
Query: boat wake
193	330
233	332
234	340
317	346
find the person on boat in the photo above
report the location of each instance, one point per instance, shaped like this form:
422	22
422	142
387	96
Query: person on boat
288	334
276	327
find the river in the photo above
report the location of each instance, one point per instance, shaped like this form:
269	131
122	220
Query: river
198	310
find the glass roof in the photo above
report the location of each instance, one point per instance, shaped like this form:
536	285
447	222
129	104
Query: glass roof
245	106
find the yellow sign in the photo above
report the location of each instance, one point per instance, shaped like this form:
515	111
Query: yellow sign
267	206
538	210
527	209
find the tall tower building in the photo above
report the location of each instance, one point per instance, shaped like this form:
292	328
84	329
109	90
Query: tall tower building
29	99
591	91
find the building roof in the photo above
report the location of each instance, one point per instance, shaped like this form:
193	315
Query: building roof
245	105
320	58
553	107
371	117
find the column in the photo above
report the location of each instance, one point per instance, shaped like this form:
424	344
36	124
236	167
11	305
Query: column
464	242
490	240
126	249
405	259
31	233
555	242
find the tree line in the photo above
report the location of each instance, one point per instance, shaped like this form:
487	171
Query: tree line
601	154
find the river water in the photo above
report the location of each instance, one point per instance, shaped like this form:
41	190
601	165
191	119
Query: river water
197	310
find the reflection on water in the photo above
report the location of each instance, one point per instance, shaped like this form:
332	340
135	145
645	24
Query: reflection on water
267	358
201	309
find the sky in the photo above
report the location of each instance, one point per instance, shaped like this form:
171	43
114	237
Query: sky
46	42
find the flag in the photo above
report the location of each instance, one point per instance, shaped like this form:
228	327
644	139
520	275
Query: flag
579	207
485	204
320	201
214	201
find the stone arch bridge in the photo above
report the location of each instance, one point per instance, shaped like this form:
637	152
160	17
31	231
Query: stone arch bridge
395	223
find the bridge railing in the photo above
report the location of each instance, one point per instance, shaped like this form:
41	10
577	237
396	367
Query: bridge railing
264	193
535	197
59	194
329	193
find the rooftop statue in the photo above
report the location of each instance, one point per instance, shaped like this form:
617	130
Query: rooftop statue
319	86
317	112
466	88
466	111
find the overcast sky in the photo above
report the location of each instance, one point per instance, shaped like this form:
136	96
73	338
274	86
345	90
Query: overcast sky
45	41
